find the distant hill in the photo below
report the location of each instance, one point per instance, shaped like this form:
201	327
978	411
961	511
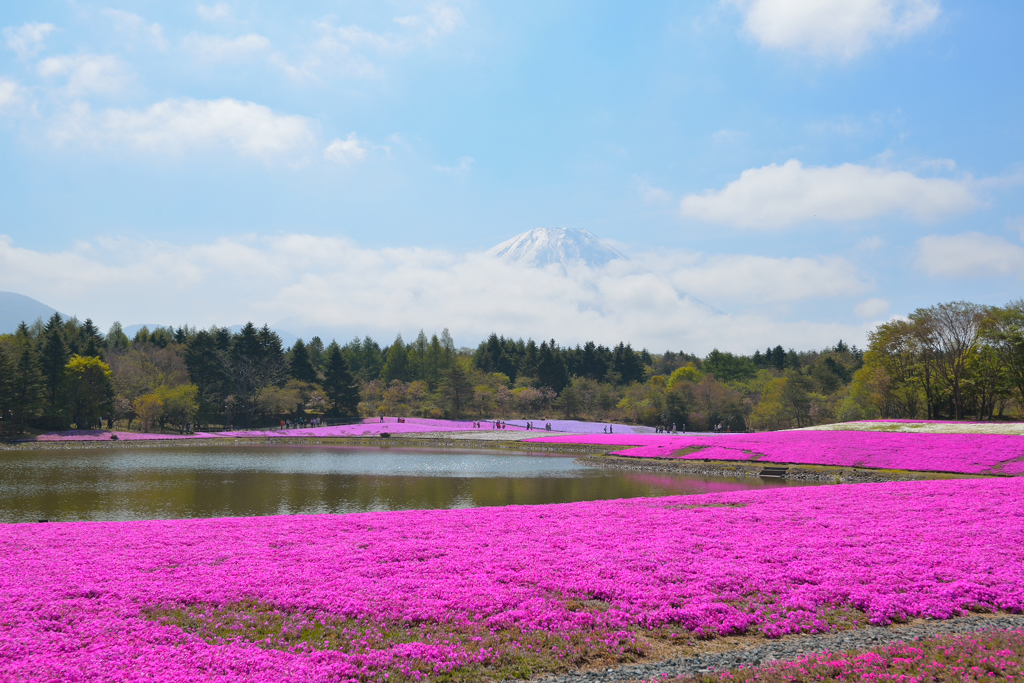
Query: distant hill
565	246
15	308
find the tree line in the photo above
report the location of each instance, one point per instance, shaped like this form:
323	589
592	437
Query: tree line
949	361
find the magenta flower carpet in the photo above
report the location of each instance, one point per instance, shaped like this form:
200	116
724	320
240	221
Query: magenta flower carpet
368	427
961	453
397	596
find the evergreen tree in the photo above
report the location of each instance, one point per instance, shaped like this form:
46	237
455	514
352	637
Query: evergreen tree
457	386
92	340
53	357
315	349
550	367
299	365
396	362
627	364
338	383
206	364
26	382
116	338
7	425
257	362
418	357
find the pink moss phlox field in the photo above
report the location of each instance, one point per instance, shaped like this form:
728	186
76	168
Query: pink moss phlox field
73	596
962	453
368	427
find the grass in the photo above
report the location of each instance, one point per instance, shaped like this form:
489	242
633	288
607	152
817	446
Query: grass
479	653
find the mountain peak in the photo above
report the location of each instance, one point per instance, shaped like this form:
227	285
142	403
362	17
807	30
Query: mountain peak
543	246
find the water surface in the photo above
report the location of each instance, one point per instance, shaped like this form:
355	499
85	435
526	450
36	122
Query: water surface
174	482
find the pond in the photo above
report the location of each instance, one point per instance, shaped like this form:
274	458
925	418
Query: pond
174	482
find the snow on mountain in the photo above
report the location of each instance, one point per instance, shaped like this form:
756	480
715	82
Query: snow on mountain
543	246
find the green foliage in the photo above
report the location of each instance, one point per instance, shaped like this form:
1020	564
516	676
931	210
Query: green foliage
90	390
299	364
180	404
728	367
53	358
338	385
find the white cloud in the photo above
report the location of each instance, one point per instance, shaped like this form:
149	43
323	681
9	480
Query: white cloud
465	163
969	253
1016	224
213	12
334	287
347	151
10	94
834	28
751	279
776	196
28	40
209	48
652	194
727	136
104	74
871	309
133	23
872	243
359	52
174	126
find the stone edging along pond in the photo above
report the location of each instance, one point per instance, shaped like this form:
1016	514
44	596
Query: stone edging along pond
734	468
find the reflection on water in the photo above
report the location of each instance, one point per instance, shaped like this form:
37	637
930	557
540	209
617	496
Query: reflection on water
175	482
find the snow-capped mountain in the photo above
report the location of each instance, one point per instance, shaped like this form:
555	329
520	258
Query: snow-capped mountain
543	246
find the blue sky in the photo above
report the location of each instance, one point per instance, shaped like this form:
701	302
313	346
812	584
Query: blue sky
808	168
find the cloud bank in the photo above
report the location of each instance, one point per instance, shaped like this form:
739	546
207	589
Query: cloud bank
969	254
176	125
774	196
840	29
335	288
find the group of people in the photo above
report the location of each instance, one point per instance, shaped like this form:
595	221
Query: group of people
547	426
301	422
665	430
718	428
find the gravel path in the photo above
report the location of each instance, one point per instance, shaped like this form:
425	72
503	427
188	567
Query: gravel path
790	648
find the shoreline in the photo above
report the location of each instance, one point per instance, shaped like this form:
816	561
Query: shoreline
589	454
793	472
359	441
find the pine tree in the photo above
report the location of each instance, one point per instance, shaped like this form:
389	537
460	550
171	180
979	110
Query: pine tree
54	357
396	364
338	383
7	425
299	365
92	340
26	382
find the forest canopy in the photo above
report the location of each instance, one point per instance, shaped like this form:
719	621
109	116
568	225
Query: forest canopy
954	360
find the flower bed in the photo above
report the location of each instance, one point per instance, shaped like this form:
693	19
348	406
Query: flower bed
499	592
997	655
368	427
962	453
